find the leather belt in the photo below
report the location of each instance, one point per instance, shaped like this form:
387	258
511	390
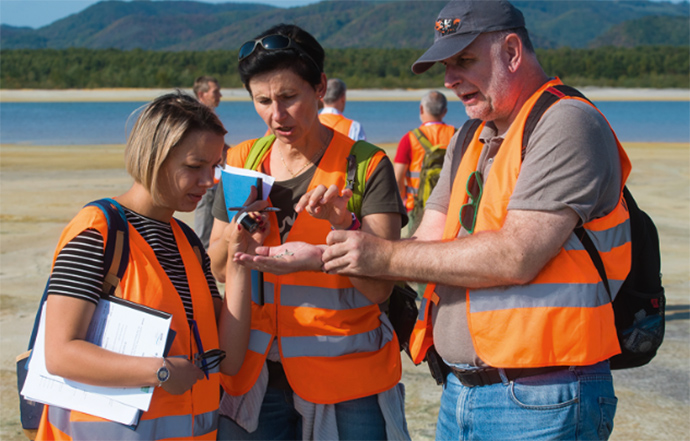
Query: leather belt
487	376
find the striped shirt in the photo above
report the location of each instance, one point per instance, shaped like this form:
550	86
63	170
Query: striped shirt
78	269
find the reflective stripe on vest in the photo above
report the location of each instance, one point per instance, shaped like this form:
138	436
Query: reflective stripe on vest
436	134
322	323
141	281
168	427
564	315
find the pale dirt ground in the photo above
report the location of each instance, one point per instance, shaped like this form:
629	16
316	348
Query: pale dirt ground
41	188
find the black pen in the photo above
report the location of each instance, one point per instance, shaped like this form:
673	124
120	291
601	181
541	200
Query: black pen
243	208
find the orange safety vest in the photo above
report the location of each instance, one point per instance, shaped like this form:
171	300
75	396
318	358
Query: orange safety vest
336	122
564	316
335	345
437	134
192	415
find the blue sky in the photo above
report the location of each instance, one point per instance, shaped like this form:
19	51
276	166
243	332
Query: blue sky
38	13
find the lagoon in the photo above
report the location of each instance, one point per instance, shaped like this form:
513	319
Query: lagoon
89	123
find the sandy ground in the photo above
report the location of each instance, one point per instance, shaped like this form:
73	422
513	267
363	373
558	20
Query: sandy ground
100	95
41	188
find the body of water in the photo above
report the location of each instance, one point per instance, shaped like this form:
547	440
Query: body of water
384	121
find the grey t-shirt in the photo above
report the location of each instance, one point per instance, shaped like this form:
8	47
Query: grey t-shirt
571	160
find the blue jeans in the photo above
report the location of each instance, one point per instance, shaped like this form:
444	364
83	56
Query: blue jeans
359	419
572	404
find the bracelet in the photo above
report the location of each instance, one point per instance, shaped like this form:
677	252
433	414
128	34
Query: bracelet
355	225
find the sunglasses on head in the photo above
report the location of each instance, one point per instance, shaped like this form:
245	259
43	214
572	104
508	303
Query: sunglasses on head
468	212
272	43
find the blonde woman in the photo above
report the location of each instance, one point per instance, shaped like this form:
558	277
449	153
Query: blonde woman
171	154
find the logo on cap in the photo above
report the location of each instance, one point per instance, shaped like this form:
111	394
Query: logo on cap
445	26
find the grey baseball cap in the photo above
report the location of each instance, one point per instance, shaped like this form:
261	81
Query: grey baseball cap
461	21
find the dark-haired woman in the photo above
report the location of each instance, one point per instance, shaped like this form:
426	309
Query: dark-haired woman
171	153
323	361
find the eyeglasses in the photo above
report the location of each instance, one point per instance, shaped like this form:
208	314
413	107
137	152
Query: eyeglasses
468	212
205	360
272	43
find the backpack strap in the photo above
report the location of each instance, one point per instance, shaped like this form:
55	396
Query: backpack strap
116	251
258	152
550	96
595	256
358	161
423	140
467	133
116	255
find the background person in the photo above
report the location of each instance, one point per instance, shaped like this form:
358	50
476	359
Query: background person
411	153
171	153
331	114
322	356
527	358
207	91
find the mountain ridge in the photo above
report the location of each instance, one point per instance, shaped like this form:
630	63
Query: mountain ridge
190	25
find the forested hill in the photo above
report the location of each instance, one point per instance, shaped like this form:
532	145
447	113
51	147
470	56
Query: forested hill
183	25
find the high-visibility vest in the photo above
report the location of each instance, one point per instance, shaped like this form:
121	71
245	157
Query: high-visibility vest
336	122
438	135
192	415
564	316
335	344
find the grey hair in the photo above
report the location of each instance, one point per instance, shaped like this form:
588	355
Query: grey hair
522	34
335	89
201	84
435	103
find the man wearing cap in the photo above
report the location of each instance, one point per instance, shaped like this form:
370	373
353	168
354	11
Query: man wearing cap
515	319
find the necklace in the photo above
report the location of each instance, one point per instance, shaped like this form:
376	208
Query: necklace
310	162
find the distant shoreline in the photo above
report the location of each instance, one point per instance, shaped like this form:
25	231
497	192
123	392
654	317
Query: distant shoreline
229	95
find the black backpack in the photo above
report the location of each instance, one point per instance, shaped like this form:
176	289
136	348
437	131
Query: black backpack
640	303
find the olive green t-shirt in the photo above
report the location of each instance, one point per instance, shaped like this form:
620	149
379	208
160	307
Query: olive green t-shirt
381	195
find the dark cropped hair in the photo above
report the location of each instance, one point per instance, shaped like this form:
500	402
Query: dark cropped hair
307	62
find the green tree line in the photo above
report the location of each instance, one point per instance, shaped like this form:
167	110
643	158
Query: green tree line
644	66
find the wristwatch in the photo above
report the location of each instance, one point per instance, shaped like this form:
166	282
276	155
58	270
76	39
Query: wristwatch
162	374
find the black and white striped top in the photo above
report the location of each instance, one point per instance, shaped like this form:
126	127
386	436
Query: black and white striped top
78	269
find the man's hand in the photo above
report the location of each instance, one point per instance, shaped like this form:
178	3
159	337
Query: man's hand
355	253
327	203
288	258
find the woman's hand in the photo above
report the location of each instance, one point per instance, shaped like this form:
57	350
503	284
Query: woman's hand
329	204
288	258
239	239
183	375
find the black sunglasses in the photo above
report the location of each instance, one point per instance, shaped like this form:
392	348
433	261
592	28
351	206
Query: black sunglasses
468	212
209	359
272	43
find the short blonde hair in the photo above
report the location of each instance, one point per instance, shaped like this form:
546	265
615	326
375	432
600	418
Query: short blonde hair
160	127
